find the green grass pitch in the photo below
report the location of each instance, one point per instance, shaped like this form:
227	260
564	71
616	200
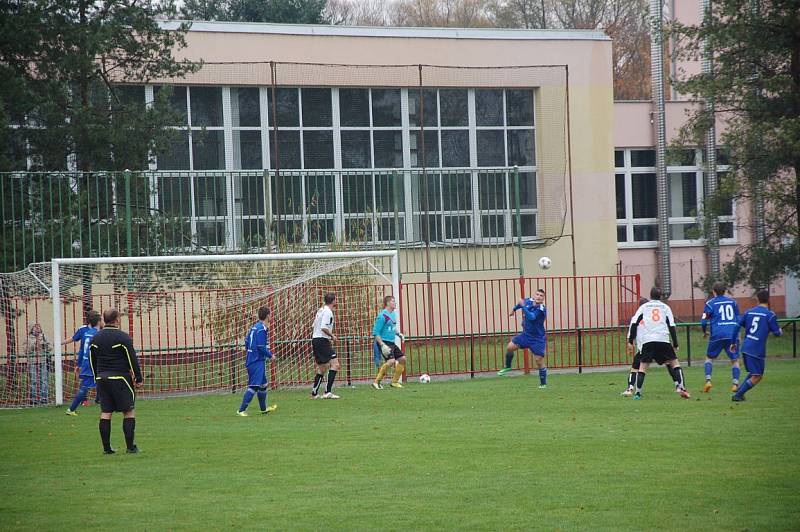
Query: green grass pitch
485	454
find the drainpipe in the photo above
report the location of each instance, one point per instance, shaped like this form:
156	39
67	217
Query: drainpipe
657	73
712	233
758	200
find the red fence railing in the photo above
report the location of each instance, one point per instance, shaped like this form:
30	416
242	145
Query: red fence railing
464	326
453	327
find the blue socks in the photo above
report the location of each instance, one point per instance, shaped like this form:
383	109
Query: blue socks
736	372
746	385
80	397
262	399
543	376
248	396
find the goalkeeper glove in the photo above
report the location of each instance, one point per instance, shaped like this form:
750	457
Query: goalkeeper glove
386	350
401	336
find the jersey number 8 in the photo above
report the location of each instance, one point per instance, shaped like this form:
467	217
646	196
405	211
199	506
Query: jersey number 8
655	314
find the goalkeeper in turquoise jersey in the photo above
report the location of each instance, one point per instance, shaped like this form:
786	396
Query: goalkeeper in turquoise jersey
257	345
385	334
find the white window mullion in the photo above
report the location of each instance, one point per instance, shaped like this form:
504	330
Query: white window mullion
338	185
193	222
473	162
265	152
227	124
375	236
265	127
149	99
628	199
303	213
189	122
371	127
300	121
233	219
406	173
510	212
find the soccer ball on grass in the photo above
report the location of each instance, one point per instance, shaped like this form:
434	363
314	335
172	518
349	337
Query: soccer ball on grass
424	378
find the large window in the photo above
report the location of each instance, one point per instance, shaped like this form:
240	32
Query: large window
637	202
371	132
199	145
505	137
348	163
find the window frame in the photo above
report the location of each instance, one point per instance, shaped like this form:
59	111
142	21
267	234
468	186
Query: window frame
409	211
629	222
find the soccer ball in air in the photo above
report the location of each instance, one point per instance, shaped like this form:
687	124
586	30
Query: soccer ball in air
424	378
544	263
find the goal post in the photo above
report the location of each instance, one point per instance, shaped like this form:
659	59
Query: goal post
190	313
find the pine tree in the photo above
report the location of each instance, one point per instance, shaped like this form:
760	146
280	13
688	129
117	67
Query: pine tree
755	85
62	64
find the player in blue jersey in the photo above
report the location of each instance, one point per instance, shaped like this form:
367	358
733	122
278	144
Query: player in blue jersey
533	335
257	344
385	345
757	322
76	339
721	313
83	367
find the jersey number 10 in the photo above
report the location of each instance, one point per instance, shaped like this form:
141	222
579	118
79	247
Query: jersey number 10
726	312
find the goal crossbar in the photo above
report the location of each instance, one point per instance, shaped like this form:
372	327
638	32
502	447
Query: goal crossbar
55	290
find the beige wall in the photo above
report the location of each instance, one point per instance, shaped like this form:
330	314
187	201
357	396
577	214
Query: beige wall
633	127
588	54
687	12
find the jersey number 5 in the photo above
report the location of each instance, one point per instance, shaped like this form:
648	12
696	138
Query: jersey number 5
754	325
655	315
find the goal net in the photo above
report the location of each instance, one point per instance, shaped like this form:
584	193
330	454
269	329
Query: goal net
188	317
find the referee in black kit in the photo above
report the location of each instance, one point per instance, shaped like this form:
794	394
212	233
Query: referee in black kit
116	370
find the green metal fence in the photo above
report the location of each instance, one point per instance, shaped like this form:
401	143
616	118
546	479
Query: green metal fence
489	213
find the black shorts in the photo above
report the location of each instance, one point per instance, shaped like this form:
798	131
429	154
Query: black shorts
395	351
116	394
660	352
637	360
323	350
